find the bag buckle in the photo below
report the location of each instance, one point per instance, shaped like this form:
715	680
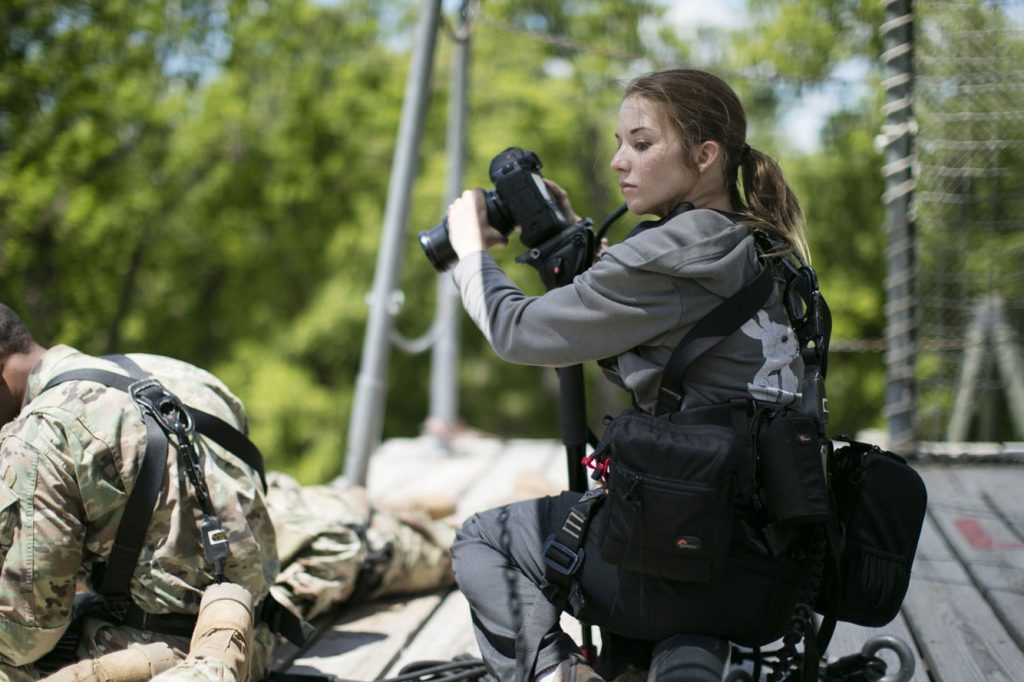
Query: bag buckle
669	401
555	551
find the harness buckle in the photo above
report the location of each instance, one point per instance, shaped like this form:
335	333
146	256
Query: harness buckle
553	551
153	397
117	606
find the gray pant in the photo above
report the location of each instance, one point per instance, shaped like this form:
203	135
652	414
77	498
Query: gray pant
499	568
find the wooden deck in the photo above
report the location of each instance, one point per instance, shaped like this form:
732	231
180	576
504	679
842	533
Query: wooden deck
963	616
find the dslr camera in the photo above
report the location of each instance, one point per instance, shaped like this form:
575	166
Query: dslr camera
558	250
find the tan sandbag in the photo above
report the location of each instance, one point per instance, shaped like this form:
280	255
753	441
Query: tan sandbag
137	663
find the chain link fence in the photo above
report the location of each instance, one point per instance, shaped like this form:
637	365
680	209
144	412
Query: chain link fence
969	219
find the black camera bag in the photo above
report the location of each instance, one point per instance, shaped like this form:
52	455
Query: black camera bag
880	506
670	495
790	467
674	477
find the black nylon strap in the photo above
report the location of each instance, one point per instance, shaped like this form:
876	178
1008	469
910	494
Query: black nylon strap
231	439
562	552
282	621
99	376
115	581
176	624
209	425
562	555
723	320
128	365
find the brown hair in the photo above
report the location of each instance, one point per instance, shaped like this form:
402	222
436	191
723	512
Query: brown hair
700	107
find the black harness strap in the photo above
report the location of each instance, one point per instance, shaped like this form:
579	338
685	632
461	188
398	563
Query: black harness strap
113	579
563	550
209	425
723	320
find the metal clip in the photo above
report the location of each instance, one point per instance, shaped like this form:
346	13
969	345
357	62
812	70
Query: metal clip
152	397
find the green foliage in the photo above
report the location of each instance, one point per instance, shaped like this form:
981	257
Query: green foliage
208	180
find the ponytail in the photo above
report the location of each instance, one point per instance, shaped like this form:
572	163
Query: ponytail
769	201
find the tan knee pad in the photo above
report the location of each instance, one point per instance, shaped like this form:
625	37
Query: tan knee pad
137	663
224	628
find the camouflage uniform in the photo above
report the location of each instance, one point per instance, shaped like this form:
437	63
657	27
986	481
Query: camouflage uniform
336	548
67	464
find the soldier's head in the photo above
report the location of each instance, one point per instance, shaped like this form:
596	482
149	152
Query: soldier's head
19	353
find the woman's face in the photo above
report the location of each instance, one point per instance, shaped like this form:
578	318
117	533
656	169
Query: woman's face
654	174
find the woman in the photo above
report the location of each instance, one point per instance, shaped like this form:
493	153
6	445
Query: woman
682	150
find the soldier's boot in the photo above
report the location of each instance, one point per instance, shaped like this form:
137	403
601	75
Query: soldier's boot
572	669
137	663
224	630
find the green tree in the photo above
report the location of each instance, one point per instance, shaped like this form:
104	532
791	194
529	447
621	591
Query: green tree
207	180
89	94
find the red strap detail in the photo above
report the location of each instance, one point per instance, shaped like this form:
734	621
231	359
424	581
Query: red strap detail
600	467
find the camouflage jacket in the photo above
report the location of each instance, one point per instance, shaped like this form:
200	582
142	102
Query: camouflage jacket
67	465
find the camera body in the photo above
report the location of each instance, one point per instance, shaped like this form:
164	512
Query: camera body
521	198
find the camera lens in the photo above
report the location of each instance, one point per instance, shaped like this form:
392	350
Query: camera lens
438	248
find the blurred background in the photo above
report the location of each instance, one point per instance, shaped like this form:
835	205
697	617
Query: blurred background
207	179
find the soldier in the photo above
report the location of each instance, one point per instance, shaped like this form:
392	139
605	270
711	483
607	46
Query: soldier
70	458
337	548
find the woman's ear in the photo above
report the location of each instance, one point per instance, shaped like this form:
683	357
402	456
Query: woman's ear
706	154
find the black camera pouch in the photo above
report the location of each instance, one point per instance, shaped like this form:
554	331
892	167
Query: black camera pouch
791	467
881	502
670	496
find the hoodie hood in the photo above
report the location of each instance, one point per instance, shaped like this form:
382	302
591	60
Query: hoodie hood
702	245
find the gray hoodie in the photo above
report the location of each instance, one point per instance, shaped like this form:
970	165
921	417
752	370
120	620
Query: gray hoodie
635	304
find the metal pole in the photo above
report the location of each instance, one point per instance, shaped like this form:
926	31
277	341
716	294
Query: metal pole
899	129
444	359
367	419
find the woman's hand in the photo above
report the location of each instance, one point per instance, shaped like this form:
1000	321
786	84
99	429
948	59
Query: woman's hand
468	229
561	198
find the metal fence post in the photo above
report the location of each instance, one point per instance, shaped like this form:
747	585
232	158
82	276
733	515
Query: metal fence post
366	423
900	306
444	360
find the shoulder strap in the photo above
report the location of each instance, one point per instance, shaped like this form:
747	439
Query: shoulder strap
726	318
209	425
113	579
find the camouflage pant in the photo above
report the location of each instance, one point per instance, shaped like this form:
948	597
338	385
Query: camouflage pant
336	548
100	638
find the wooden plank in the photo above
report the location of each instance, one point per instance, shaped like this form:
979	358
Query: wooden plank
409	466
513	476
1002	487
434	483
364	642
958	634
991	552
448	633
850	639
